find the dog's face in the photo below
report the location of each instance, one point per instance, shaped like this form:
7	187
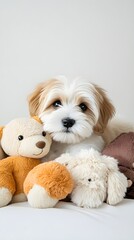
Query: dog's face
71	110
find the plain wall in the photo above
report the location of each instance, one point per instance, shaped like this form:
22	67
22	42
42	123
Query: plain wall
43	38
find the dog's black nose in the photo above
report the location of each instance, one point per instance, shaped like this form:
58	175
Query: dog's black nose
68	122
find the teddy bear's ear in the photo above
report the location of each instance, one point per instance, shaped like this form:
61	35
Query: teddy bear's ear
37	119
1	131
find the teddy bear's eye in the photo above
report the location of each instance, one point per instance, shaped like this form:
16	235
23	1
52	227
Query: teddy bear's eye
89	180
43	133
20	137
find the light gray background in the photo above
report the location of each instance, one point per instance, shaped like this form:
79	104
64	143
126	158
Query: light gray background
43	38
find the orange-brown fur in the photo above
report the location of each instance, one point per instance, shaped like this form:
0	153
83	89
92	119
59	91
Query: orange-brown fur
2	153
53	176
107	110
37	97
13	171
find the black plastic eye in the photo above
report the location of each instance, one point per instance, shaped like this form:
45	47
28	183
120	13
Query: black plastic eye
89	180
20	137
43	133
57	103
83	107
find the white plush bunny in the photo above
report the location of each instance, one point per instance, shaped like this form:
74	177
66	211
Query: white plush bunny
96	178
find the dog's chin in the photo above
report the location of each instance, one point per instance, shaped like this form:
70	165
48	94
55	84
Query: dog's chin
66	137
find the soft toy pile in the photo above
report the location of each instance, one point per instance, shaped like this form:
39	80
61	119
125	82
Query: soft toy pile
122	148
96	179
24	140
89	178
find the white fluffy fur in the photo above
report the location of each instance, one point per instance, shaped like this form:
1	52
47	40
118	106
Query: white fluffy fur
81	135
5	196
84	126
106	182
39	198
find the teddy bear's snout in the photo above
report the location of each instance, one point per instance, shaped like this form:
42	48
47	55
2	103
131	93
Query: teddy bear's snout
40	144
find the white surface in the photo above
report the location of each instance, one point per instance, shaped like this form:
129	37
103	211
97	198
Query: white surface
67	222
44	38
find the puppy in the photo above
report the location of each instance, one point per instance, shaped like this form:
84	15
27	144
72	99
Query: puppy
75	113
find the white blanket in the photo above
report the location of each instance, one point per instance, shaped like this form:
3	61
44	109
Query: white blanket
67	222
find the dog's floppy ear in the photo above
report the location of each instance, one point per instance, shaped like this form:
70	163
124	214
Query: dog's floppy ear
106	109
34	100
37	119
37	98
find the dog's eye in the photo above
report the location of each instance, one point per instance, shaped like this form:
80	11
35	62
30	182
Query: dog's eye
43	133
20	137
57	103
83	107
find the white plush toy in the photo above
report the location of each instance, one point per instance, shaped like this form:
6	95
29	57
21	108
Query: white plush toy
96	179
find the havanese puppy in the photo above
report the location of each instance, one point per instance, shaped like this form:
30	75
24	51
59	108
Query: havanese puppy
75	112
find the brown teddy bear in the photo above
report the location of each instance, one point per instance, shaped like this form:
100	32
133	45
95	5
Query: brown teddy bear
24	140
122	148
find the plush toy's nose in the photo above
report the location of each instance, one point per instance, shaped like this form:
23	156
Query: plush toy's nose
40	144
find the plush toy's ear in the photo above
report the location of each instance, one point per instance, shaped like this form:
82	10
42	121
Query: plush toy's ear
117	187
1	131
37	119
116	181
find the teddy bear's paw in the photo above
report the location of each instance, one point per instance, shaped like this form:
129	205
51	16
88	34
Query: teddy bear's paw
87	198
5	196
39	198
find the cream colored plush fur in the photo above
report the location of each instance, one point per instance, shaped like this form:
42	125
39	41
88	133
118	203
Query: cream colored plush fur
96	177
24	140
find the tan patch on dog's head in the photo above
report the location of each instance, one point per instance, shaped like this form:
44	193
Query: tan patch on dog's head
38	96
106	109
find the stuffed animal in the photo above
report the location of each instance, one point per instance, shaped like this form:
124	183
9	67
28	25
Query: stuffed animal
24	140
96	179
122	148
